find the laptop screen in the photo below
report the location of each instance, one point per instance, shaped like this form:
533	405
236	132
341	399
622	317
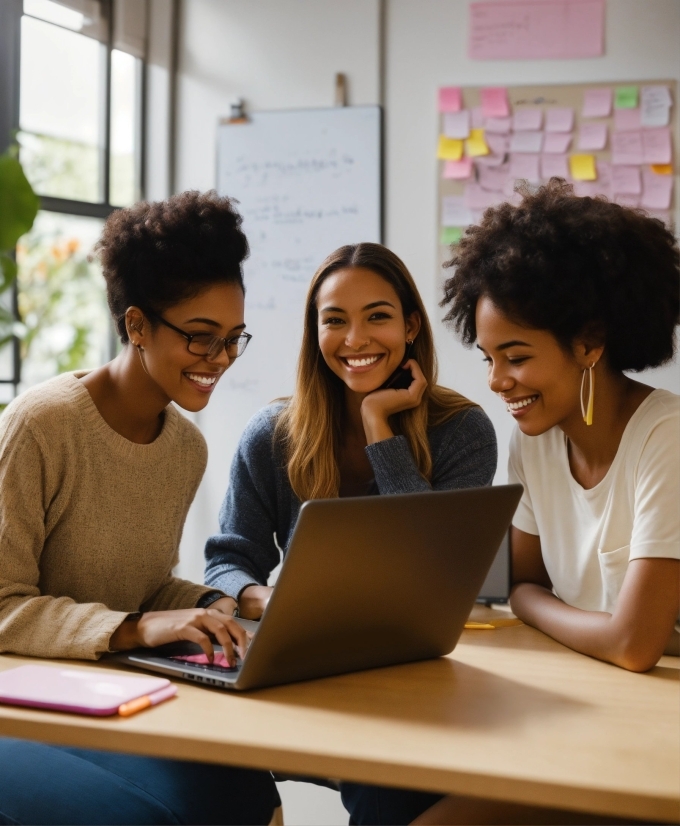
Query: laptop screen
496	587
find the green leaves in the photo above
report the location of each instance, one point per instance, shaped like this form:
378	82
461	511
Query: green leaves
18	203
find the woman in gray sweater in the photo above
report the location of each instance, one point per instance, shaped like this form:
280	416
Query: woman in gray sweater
345	433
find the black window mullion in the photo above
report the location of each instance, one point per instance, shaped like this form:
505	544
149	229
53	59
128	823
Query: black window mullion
107	8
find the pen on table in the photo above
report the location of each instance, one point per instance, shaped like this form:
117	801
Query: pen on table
133	706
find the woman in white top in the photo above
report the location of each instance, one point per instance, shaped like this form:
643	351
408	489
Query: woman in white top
562	295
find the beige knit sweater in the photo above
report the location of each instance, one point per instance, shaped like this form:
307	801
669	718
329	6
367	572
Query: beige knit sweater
90	522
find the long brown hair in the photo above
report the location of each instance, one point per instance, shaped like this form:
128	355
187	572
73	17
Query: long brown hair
310	425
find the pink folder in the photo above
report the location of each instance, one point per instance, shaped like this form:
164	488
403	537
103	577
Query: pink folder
96	691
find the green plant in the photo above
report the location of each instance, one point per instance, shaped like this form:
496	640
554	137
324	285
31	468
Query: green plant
18	208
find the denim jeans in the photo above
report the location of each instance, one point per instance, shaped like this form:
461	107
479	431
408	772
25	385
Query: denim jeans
382	806
42	784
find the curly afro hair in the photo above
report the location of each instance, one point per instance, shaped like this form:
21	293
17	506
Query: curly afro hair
572	266
157	254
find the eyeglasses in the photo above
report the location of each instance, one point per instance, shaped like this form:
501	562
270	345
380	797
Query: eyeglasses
209	345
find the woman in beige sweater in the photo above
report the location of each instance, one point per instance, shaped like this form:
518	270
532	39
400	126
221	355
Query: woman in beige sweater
97	472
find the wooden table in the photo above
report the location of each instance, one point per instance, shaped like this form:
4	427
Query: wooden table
511	715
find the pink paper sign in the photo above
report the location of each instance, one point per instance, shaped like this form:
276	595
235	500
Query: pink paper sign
657	190
477	118
554	166
626	200
458	170
559	119
592	136
525	166
557	142
656	146
495	102
450	99
526	30
627	120
477	198
527	119
627	148
597	103
626	180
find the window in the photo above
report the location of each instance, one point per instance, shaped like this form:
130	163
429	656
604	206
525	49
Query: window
78	123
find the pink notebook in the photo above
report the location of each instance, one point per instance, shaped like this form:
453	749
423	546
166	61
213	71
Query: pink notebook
97	692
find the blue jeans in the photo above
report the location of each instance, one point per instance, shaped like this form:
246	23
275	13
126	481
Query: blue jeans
42	784
382	806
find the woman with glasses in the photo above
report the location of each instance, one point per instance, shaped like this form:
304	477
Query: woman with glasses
97	472
356	425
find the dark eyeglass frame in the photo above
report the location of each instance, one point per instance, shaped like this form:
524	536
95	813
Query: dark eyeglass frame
241	337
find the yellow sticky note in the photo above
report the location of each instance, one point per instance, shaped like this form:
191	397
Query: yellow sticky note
449	149
475	145
662	168
583	167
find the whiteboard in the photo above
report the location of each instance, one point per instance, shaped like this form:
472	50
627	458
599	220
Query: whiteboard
306	183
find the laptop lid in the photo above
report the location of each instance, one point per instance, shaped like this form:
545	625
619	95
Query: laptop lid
375	581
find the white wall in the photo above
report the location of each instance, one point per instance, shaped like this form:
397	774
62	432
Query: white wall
426	48
281	54
284	54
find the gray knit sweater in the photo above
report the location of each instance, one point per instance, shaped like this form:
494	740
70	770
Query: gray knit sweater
260	501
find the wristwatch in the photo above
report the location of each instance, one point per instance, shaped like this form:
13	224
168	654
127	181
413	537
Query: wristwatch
212	596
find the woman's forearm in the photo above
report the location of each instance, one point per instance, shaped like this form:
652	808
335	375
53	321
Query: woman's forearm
589	632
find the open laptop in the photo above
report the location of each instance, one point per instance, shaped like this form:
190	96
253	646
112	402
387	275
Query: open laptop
367	582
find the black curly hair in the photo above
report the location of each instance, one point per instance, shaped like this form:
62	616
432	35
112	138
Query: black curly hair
155	255
572	266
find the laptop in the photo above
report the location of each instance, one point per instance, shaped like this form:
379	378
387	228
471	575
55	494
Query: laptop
367	582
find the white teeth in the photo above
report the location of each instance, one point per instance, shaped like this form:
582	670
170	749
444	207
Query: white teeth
362	362
204	380
523	403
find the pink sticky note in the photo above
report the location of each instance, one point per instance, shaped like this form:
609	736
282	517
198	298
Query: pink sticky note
626	200
592	136
554	166
457	124
528	119
661	215
490	160
495	102
525	166
597	103
450	99
604	175
626	180
557	142
493	178
477	198
656	146
498	144
526	142
657	190
458	170
627	120
559	119
586	189
627	148
526	30
477	118
499	126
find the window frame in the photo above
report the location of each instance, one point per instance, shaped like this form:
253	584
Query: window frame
11	13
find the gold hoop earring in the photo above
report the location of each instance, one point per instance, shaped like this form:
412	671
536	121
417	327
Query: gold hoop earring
587	410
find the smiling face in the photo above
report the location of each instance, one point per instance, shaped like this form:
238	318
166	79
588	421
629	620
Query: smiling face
536	377
185	378
361	327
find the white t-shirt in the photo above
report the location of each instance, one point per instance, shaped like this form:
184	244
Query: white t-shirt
589	536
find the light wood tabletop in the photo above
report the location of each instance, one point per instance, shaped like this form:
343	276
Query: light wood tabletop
510	715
